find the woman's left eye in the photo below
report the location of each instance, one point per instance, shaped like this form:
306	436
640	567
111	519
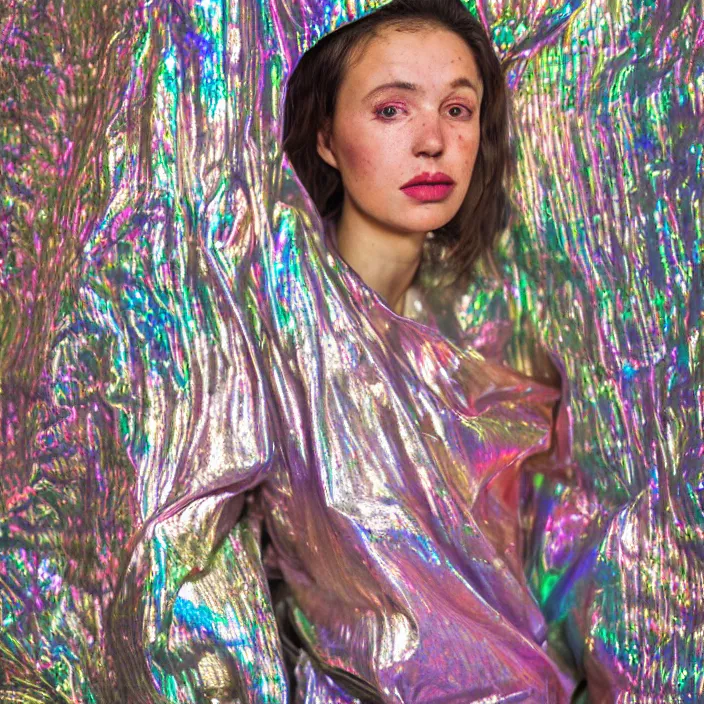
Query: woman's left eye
461	109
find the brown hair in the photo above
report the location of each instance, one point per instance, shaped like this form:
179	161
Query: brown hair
311	95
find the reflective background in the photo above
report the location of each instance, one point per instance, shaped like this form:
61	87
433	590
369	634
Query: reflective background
134	139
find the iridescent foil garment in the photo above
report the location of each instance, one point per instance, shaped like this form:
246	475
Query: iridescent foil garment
390	470
206	414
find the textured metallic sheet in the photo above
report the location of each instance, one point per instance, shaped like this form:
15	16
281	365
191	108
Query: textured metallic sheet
489	499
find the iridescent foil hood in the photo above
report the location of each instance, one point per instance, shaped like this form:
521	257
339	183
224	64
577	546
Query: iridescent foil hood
230	473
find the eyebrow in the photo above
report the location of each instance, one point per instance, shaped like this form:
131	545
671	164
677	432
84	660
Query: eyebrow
462	82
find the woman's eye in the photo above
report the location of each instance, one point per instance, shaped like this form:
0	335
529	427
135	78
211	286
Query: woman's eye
384	112
461	109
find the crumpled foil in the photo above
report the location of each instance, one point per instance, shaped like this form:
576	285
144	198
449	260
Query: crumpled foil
140	165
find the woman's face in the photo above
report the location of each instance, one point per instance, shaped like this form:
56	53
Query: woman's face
426	122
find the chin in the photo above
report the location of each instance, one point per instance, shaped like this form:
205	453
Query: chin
426	223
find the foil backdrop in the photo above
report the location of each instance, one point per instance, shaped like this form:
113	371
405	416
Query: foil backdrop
139	142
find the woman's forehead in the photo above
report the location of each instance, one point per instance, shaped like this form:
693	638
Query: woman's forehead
393	59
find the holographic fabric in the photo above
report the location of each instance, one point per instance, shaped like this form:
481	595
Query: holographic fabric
231	474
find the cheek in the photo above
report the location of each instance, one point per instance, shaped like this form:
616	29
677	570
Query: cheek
364	157
468	148
355	159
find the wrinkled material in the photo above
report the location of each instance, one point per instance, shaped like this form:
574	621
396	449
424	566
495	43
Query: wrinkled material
210	423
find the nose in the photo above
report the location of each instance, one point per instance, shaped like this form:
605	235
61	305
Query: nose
429	139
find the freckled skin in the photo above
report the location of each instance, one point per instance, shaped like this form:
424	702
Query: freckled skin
435	128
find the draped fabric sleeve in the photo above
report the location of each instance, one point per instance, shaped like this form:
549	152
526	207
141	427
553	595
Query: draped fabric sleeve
607	563
588	555
564	525
191	617
161	432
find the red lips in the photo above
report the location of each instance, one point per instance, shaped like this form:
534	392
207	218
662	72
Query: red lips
429	179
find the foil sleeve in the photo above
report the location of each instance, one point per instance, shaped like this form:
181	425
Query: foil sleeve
168	450
588	559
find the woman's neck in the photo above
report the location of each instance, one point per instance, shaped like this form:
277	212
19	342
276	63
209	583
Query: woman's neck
386	261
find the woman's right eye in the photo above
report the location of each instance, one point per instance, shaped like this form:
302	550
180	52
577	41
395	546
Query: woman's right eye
383	112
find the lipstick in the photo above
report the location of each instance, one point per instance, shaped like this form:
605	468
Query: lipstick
427	187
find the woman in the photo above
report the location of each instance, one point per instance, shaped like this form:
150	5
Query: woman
391	498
